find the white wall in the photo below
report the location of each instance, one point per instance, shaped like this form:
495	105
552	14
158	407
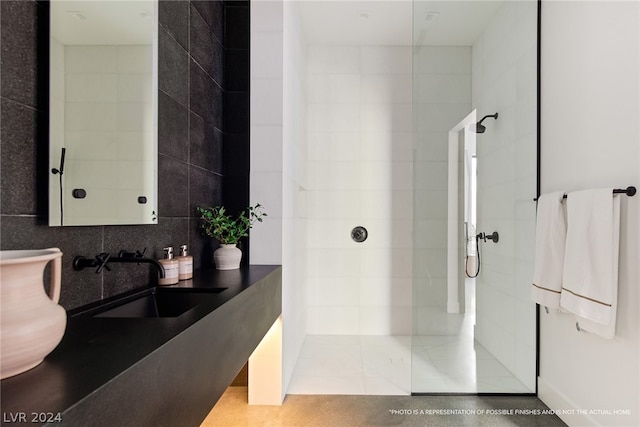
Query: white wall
294	175
590	138
504	81
278	117
360	174
442	88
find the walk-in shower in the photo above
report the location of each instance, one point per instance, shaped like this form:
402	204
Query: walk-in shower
388	93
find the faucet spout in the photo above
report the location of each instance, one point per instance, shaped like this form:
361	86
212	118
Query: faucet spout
138	258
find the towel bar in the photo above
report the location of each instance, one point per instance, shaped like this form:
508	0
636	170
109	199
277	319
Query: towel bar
629	191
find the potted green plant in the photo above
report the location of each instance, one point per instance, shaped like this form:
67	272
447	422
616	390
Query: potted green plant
216	223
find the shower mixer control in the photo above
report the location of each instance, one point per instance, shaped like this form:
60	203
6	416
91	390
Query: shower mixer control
359	234
493	236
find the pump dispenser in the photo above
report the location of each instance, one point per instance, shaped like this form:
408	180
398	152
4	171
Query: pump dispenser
171	266
185	261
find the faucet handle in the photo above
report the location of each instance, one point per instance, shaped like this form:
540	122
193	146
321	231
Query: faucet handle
137	254
102	260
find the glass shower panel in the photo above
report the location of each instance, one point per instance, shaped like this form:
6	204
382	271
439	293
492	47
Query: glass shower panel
474	58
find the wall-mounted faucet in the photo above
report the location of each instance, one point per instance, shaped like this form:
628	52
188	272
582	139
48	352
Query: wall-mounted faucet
103	259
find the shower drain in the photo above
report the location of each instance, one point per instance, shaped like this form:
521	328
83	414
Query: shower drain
359	234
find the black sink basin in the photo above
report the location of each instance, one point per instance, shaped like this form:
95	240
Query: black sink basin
152	302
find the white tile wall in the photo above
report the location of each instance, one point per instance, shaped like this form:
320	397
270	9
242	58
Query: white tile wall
360	172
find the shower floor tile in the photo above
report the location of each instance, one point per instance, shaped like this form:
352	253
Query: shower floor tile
382	365
365	365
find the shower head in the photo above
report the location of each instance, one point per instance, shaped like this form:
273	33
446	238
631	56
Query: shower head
479	127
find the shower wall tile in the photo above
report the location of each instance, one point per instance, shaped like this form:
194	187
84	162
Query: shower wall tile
334	262
324	233
445	88
440	117
385	176
334	89
355	178
432	204
430	263
431	176
386	89
333	292
336	146
381	292
443	60
431	146
384	321
340	176
385	146
376	263
386	60
435	321
386	117
334	60
334	117
333	204
333	320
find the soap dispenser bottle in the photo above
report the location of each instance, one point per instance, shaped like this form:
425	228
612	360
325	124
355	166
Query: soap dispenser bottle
171	266
185	264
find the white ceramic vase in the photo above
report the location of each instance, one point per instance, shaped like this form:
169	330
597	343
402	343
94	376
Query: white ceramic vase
227	257
31	322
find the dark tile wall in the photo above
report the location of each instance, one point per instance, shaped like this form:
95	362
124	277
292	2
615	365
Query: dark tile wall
194	147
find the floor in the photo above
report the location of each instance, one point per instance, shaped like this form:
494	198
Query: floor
385	365
232	410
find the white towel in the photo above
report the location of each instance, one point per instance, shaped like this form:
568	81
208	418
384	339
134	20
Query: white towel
590	275
551	233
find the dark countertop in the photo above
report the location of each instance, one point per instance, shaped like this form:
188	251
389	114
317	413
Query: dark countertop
95	351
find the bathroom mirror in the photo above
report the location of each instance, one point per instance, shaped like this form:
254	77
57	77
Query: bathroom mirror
103	112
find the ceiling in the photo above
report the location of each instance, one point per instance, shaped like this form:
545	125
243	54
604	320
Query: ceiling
396	22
